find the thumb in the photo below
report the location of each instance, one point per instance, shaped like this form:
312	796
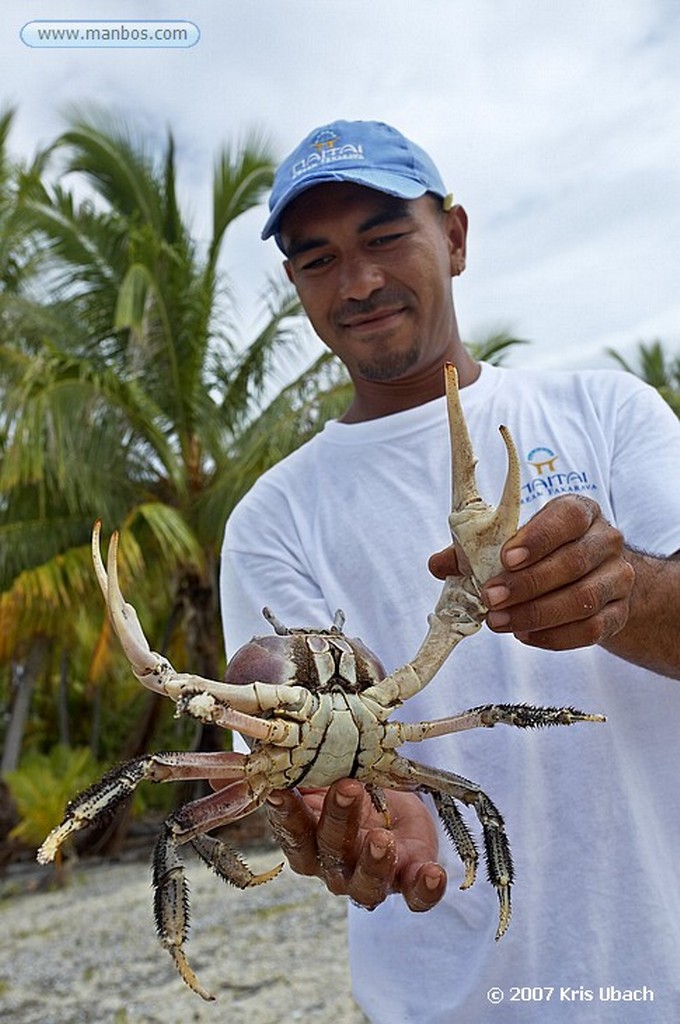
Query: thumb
444	563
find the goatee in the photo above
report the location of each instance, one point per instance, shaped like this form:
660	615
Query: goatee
390	366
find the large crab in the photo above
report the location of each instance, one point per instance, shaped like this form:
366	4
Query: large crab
315	707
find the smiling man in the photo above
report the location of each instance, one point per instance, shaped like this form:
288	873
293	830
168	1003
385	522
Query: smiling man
586	612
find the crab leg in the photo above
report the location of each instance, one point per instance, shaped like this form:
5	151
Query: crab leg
171	897
523	716
479	531
185	825
445	787
151	669
147	665
171	893
101	799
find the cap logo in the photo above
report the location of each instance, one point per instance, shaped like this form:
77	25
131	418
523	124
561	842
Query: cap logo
325	152
324	140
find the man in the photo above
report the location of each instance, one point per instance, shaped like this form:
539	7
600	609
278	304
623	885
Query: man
579	616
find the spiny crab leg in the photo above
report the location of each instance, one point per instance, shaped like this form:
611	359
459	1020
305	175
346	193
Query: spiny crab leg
521	716
479	531
119	783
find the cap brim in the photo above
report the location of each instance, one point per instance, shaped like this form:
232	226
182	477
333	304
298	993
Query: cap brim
382	181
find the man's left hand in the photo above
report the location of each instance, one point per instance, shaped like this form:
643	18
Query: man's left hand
567	582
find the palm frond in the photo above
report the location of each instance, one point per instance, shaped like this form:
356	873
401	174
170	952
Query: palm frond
103	150
70	393
27	544
242	385
654	364
6	119
41	598
175	543
243	174
294	415
494	347
657	367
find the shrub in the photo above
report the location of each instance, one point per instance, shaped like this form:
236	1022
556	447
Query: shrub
43	785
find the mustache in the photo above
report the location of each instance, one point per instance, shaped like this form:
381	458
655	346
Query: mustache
389	297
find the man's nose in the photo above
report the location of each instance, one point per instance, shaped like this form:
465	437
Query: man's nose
360	277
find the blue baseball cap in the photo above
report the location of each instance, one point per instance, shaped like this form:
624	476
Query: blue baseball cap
368	153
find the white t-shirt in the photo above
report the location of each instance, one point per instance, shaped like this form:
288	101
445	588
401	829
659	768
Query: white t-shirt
592	811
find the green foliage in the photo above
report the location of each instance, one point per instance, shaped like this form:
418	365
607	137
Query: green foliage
672	396
657	367
44	784
126	395
493	348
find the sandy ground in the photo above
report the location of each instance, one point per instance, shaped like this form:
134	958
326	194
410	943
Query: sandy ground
88	954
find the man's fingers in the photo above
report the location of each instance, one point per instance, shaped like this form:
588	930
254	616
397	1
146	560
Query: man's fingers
337	833
444	563
294	826
600	551
339	836
423	886
594	630
568	581
373	877
565	519
589	597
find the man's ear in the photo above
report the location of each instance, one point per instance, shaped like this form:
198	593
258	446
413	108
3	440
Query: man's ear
456	229
289	271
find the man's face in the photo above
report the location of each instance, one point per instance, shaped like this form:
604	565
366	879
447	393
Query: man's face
373	273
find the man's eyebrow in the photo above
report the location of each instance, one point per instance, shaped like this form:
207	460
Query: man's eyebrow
400	210
297	248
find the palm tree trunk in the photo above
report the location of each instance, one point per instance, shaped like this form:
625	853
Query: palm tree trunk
62	700
26	675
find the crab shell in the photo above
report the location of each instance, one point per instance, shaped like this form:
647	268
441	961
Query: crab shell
320	660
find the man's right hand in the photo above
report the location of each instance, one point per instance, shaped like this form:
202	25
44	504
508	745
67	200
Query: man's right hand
337	835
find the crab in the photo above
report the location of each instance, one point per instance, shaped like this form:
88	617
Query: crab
315	706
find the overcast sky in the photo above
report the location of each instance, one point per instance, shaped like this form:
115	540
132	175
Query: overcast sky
556	125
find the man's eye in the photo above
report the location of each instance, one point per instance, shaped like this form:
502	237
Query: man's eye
317	263
381	240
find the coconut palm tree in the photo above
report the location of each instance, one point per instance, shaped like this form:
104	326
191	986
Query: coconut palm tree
129	396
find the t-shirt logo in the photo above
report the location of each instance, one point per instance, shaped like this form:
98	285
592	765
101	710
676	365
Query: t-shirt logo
548	479
542	459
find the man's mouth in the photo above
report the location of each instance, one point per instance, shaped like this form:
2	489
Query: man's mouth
376	320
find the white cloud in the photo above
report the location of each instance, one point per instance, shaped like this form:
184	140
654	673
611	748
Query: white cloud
557	126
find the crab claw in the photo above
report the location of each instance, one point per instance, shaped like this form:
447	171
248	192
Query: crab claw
146	664
479	529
